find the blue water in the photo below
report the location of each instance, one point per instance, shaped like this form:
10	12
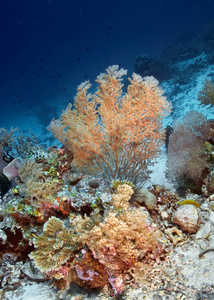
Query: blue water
48	47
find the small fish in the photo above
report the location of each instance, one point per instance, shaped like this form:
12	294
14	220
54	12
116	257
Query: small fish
189	201
15	191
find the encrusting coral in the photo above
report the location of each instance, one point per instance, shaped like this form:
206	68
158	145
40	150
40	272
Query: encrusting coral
112	133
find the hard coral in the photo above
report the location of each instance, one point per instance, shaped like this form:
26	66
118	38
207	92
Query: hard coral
54	247
114	134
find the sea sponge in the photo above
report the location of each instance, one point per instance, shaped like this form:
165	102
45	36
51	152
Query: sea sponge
12	169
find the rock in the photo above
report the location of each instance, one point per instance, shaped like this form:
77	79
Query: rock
204	231
187	217
164	215
146	66
32	272
211	205
212	217
10	271
93	184
204	244
143	196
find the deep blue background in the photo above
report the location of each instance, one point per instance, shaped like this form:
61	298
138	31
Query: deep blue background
48	47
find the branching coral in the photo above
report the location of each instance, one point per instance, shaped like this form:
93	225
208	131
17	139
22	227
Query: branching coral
6	137
111	133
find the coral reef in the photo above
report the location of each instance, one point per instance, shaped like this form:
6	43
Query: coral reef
113	134
114	236
96	250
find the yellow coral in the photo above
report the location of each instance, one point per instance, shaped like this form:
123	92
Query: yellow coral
111	133
121	199
125	236
123	239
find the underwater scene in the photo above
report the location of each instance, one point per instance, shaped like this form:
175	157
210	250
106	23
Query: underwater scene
107	150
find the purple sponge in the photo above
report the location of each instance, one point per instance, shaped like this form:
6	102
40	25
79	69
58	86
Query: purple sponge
11	170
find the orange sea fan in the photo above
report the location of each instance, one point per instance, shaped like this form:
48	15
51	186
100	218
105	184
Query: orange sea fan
113	133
